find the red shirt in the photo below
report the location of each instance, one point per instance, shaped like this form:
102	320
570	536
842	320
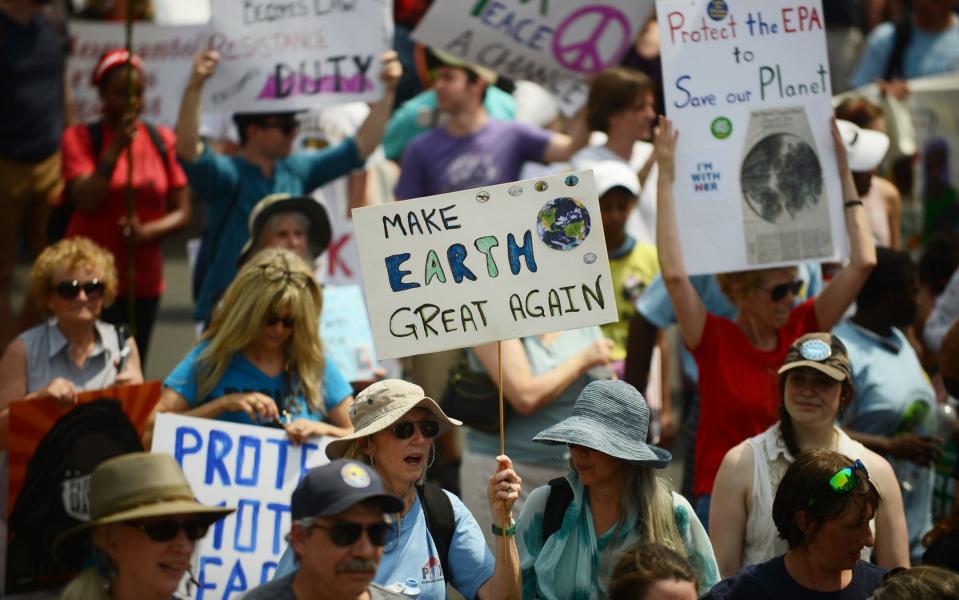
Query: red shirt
738	387
153	178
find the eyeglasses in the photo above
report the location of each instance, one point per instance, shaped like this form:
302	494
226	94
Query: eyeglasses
70	290
287	126
778	292
404	429
167	529
274	319
845	479
345	533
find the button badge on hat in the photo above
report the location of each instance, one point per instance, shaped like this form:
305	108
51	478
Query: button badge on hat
355	476
816	350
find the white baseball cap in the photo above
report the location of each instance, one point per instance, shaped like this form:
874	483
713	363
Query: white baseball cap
613	173
865	148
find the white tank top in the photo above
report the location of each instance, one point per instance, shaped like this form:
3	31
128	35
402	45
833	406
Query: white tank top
770	461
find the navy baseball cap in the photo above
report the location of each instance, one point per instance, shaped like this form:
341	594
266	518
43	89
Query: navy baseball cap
337	486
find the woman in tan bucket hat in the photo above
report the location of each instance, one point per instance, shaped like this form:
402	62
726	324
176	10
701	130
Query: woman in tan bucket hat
395	425
144	524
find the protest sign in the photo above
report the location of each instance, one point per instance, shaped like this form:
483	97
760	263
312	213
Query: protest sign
167	54
296	55
53	450
492	263
555	43
747	85
345	331
251	468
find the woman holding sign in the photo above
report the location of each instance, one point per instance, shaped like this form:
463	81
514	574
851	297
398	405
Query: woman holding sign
738	359
261	361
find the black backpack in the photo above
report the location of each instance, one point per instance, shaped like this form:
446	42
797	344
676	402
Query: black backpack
61	214
440	522
560	497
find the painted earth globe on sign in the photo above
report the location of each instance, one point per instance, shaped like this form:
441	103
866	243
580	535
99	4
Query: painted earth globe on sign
563	223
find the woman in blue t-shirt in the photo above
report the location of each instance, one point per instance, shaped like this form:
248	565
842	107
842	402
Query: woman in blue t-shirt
261	360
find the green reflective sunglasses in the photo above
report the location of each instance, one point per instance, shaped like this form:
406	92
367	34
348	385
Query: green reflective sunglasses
845	479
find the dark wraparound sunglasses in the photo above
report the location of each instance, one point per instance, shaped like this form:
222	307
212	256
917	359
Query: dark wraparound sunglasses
70	290
167	529
404	429
345	533
778	292
287	126
274	319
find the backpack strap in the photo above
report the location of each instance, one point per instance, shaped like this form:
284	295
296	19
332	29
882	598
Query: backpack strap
440	522
158	143
903	35
560	497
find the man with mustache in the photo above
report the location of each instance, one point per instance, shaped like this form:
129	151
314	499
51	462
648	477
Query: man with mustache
341	520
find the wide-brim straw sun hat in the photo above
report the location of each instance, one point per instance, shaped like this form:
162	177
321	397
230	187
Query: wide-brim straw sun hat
135	487
382	404
611	417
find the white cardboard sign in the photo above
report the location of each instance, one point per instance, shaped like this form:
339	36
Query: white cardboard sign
248	467
555	43
747	86
296	55
493	263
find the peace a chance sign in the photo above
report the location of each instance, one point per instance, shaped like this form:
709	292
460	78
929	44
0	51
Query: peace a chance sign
592	38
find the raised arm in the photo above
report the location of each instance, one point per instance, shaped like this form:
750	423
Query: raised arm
562	147
371	131
841	291
729	510
527	392
690	311
188	145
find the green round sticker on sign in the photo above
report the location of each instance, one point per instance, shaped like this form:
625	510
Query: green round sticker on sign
721	128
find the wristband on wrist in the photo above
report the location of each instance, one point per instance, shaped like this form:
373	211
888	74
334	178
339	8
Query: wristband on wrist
508	532
849	203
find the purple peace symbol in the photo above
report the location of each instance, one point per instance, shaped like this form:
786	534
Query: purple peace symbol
583	54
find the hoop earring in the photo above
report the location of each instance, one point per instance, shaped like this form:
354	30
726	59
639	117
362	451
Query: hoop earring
432	459
191	581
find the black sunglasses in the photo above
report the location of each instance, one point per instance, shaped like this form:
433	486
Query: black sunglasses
70	290
778	292
287	126
274	319
345	533
404	429
167	529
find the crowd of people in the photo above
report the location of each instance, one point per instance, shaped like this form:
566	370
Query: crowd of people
817	425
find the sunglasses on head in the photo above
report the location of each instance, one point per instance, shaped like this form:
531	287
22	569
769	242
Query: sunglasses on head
778	292
274	319
287	126
345	533
845	479
167	529
404	429
70	290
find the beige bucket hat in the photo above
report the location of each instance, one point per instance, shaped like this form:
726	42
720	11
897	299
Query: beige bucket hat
137	486
382	404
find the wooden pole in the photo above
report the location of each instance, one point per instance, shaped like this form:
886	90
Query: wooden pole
502	435
131	198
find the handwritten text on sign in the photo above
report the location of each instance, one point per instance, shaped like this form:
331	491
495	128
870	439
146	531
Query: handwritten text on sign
296	55
747	85
554	43
487	264
251	468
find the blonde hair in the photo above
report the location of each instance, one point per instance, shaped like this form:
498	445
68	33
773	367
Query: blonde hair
274	280
650	497
71	254
739	283
88	585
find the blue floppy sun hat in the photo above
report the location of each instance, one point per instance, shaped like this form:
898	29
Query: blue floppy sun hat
611	417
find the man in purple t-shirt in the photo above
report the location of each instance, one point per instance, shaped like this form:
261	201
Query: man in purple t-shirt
471	149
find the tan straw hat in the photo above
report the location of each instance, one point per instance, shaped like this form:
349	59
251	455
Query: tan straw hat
382	404
136	486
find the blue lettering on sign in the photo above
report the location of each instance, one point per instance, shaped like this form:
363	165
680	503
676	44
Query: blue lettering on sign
248	442
218	447
237	580
456	254
283	446
218	531
396	274
202	584
266	571
180	449
278	511
526	250
244	508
